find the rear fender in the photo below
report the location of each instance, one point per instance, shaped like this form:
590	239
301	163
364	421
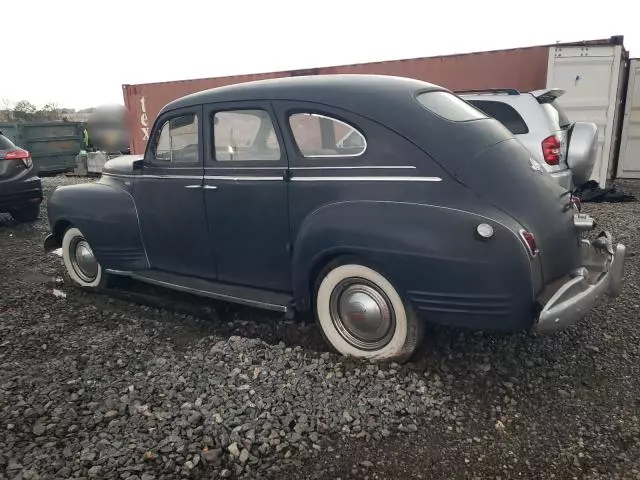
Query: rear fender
107	217
430	253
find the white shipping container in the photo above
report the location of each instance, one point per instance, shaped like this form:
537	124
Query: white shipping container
593	78
629	162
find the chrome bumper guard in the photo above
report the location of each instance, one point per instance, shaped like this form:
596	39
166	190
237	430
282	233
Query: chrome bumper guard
601	274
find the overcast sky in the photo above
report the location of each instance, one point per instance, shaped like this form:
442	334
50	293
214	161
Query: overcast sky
79	53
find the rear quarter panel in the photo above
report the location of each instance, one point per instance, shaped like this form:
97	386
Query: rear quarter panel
107	217
432	256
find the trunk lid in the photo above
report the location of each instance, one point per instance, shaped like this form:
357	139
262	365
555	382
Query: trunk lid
506	176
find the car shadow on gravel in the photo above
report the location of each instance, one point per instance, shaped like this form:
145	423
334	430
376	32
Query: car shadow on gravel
203	317
206	317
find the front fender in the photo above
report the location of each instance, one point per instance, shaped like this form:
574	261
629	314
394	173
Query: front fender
430	253
107	217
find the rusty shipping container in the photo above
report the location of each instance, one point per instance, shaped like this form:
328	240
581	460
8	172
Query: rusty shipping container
522	68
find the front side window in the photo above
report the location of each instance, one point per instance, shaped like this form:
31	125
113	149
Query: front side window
322	136
244	135
449	106
178	140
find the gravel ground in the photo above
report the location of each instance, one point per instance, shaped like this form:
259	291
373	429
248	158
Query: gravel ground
124	385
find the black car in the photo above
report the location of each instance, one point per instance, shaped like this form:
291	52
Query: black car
377	202
20	187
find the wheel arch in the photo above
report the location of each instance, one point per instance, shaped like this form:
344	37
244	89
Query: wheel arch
107	217
334	257
429	253
58	229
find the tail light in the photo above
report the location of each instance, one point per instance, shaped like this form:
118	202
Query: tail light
19	155
530	241
551	150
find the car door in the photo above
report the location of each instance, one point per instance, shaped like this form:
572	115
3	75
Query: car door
246	195
336	155
170	199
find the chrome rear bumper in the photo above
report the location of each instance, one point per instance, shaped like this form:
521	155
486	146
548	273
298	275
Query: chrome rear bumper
601	274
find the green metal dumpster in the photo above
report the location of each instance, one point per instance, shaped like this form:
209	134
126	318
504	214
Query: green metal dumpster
53	145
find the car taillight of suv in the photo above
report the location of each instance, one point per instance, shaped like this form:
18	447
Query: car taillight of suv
20	186
551	150
566	150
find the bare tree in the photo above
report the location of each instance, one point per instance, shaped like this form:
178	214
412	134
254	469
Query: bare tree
51	111
24	111
6	110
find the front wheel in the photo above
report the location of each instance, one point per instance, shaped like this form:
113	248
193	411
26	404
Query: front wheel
80	262
362	315
30	213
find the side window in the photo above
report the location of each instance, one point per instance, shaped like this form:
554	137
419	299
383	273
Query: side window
322	136
504	113
178	140
244	135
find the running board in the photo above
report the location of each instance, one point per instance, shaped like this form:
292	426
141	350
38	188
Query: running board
253	297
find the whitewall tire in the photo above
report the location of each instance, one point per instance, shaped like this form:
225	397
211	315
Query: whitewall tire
81	265
362	315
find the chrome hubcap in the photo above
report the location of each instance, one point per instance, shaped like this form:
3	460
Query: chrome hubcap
83	261
362	314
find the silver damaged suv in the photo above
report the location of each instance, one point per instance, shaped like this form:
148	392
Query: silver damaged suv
566	150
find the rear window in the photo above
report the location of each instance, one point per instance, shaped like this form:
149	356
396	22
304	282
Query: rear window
449	106
556	114
5	143
504	113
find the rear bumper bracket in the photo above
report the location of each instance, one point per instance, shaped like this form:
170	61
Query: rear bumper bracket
601	274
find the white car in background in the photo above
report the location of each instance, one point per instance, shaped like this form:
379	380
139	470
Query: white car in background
566	150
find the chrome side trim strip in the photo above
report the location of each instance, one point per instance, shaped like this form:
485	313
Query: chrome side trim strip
326	167
207	293
115	175
171	177
155	177
366	179
359	167
283	167
240	178
197	177
117	272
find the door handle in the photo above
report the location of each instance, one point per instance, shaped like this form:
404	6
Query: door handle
193	186
210	187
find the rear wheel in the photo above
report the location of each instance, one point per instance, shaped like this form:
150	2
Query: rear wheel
362	315
30	213
80	262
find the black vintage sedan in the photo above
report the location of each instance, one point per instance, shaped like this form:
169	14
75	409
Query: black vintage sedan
379	203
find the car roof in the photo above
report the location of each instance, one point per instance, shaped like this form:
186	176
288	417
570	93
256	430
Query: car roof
387	100
331	89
